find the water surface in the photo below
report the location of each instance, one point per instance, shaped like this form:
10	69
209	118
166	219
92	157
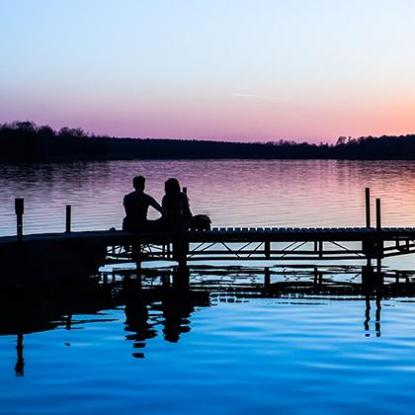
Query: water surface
99	348
210	351
232	192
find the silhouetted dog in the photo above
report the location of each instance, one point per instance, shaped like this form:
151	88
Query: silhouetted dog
200	223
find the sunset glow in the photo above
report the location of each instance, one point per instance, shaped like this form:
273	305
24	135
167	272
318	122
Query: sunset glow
235	70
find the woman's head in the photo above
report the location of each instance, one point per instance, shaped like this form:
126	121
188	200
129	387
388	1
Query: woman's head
172	186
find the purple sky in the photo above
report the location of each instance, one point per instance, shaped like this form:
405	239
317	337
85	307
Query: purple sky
235	70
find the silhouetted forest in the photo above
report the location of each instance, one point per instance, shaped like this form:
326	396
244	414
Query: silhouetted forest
25	141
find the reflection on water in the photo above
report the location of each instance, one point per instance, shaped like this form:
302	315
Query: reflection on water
234	341
232	192
289	340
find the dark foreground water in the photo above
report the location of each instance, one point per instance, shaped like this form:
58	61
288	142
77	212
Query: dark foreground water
113	348
108	348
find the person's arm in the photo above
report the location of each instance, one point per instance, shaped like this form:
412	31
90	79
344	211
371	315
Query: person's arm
153	203
187	213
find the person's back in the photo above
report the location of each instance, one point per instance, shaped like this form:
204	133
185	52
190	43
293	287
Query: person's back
136	206
176	206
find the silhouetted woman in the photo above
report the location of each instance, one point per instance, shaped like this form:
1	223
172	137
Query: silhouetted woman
176	206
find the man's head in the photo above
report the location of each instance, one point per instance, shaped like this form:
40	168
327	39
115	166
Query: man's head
139	182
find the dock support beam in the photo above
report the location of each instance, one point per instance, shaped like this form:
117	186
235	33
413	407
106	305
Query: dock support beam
136	253
380	242
367	206
19	209
267	249
267	277
68	218
378	215
181	278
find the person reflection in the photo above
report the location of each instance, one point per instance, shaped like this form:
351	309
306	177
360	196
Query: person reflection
176	310
137	316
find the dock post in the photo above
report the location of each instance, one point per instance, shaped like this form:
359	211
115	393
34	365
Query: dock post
19	209
367	206
267	277
165	280
68	218
367	277
378	227
267	249
320	249
180	249
378	215
136	255
181	278
380	242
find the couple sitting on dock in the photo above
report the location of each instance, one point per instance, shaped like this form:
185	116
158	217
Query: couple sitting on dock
175	210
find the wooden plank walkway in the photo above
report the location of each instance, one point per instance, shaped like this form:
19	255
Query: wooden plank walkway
219	244
72	253
226	234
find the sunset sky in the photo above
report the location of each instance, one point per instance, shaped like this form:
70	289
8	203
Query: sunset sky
211	69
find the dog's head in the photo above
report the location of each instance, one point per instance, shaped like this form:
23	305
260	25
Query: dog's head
200	223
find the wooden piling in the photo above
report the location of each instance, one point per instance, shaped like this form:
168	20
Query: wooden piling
379	227
19	209
267	249
267	277
68	218
378	215
367	206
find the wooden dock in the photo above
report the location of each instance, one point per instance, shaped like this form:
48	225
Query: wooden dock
84	252
73	253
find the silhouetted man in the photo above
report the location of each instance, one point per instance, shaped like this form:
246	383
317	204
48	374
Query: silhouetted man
136	206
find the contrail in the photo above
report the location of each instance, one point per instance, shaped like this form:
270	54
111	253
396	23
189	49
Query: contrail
264	97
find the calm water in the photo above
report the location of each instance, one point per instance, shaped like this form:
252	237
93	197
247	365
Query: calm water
232	192
102	349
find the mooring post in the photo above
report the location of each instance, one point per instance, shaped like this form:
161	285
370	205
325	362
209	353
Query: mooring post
165	279
19	209
378	215
136	255
367	244
182	246
181	278
267	249
68	218
380	241
367	277
367	205
267	277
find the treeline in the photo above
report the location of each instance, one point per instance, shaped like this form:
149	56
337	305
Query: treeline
25	141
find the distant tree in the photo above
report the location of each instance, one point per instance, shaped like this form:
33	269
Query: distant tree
341	141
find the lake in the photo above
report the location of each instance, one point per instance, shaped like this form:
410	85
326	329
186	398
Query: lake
228	346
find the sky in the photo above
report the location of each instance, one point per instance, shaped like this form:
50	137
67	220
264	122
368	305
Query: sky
240	70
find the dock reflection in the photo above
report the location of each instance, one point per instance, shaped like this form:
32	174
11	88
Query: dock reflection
158	304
